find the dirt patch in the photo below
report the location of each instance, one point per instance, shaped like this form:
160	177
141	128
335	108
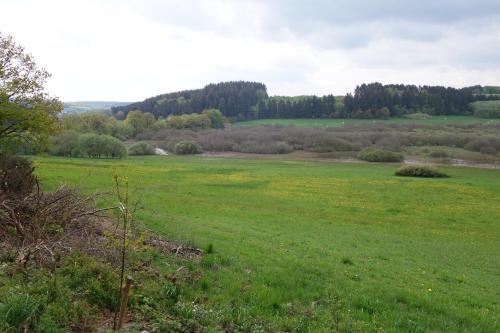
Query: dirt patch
454	162
350	157
168	247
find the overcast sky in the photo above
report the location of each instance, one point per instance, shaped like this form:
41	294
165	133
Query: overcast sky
128	50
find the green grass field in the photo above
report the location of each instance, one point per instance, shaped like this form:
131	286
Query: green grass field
320	246
435	120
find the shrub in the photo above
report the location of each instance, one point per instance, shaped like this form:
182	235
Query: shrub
141	148
326	144
439	154
192	121
419	171
485	145
88	145
281	148
187	148
390	137
257	147
378	155
383	113
16	175
488	150
65	144
216	118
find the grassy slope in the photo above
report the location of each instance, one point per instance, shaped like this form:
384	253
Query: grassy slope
311	244
436	120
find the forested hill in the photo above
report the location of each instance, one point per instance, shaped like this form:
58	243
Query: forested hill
400	99
249	100
234	99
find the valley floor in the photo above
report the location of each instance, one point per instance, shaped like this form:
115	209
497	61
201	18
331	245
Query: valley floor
321	247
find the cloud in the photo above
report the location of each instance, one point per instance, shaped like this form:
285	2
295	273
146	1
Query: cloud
132	49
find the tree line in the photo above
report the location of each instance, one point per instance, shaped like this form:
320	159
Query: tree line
233	99
242	100
402	99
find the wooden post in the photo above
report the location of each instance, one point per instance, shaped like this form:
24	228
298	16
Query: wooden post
123	304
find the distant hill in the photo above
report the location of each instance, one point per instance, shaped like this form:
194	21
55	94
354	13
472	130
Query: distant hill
90	106
237	99
242	100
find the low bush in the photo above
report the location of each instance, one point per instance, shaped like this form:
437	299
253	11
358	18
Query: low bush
485	145
419	171
378	155
16	175
327	144
141	148
439	154
389	137
187	148
257	147
87	145
489	150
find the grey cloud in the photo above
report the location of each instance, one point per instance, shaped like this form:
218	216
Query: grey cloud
325	24
341	12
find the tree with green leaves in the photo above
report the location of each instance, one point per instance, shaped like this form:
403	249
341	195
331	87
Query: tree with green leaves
216	118
27	113
140	121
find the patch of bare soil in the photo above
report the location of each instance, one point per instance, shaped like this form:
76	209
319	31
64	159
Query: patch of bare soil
167	247
454	162
350	157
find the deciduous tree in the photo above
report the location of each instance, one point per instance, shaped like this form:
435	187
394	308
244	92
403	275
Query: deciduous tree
27	112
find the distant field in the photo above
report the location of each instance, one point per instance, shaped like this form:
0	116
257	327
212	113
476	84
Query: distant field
319	246
437	120
90	106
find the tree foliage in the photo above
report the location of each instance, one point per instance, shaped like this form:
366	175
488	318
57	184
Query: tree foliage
187	148
233	99
93	122
71	143
140	121
399	99
216	118
249	100
141	148
27	112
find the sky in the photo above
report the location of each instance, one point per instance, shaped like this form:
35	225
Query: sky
128	50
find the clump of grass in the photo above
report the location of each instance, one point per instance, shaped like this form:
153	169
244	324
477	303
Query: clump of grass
420	171
379	155
347	261
17	312
209	249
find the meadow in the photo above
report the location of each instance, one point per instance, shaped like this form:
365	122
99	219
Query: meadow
320	246
435	120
